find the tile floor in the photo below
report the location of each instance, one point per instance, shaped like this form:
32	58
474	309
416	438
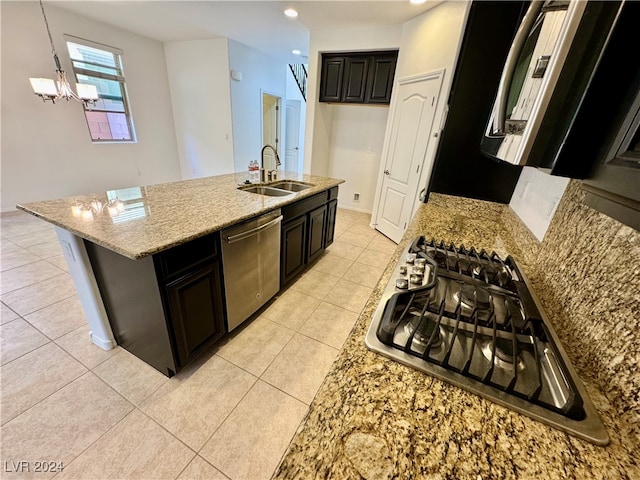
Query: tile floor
106	414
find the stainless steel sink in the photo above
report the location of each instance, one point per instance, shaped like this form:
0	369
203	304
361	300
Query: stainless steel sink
268	191
290	185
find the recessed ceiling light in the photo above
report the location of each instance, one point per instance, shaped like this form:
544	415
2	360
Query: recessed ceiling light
295	51
291	13
417	2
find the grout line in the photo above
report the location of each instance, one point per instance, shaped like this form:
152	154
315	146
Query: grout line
34	282
55	391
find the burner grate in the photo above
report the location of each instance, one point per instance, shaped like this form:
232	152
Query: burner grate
477	322
485	267
470	319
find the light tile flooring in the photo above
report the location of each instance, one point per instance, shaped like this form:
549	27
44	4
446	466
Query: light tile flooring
107	414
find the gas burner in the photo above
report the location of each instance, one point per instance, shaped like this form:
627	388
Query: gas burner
504	354
424	330
472	320
472	297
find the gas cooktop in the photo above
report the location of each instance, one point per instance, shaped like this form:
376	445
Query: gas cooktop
471	319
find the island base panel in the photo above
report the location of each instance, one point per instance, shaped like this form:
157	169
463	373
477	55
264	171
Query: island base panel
132	300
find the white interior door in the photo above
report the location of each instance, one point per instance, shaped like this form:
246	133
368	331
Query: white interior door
414	107
270	128
292	135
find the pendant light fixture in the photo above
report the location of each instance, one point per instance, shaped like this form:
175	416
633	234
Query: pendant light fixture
52	90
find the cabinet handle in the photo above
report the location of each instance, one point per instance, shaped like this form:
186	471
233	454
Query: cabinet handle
387	172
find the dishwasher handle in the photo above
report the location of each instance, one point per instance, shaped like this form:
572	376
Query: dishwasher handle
253	231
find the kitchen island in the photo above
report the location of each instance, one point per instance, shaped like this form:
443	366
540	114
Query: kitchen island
149	266
374	418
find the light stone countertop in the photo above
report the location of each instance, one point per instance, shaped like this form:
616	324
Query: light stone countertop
170	214
375	418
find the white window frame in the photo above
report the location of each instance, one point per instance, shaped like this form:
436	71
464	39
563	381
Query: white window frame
118	78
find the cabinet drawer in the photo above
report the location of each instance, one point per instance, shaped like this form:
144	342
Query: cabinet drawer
178	260
292	211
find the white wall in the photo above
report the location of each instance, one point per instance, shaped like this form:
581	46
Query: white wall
536	197
337	138
46	149
259	73
357	136
199	81
432	42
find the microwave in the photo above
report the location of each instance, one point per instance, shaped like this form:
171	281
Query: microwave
554	55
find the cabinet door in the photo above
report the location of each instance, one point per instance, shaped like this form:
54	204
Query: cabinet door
332	208
294	234
355	79
317	222
331	79
381	73
195	305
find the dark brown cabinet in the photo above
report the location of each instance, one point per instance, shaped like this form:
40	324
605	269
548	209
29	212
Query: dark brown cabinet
317	223
364	77
356	70
304	232
331	79
381	73
196	310
166	308
294	235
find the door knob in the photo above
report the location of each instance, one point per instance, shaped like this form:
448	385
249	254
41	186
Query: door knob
387	172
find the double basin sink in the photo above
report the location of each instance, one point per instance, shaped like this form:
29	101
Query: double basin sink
276	189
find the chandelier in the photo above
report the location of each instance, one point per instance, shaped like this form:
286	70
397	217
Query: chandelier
52	90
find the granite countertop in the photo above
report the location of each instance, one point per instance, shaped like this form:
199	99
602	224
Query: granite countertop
375	418
165	215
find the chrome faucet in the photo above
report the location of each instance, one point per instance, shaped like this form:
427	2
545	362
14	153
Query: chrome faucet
263	172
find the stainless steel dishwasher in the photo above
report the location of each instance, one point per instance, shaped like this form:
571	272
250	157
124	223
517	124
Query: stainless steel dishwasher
251	264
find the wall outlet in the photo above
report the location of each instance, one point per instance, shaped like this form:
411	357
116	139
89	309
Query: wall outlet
356	197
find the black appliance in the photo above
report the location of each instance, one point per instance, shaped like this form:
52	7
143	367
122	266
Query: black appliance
471	319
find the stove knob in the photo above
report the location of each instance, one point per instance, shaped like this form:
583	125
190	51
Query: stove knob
415	278
403	269
411	258
419	269
402	283
420	261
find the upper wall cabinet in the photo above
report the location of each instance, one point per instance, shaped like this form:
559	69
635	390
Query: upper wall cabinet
363	77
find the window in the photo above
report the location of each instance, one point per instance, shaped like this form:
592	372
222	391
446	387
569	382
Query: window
110	119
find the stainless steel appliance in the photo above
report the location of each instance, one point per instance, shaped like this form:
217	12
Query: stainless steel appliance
471	319
251	265
548	69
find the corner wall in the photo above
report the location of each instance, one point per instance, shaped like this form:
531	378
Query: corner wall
199	79
259	74
46	149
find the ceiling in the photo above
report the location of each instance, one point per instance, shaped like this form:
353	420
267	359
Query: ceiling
258	24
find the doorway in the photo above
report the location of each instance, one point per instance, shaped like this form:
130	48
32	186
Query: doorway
270	127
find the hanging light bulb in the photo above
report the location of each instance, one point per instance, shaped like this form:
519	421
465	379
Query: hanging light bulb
47	89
